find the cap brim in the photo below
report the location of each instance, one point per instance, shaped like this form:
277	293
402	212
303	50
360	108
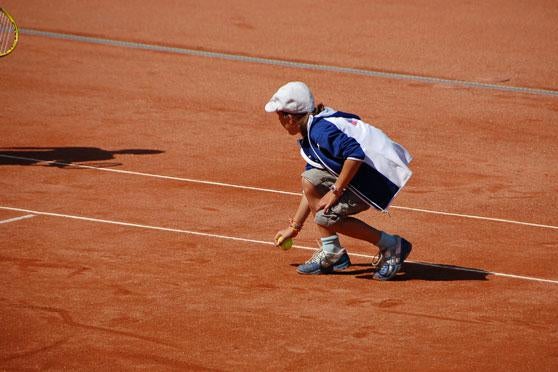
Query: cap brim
271	106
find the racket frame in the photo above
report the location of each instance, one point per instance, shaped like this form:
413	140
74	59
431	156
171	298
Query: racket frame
16	31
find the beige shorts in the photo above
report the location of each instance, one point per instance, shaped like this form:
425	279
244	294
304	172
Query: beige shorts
349	203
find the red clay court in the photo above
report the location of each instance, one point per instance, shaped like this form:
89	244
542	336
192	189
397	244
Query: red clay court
142	184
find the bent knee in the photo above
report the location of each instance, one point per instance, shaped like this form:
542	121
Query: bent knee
308	187
312	193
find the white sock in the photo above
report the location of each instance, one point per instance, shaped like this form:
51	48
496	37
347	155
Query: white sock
331	244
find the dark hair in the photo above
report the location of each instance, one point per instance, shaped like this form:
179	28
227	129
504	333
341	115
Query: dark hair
319	108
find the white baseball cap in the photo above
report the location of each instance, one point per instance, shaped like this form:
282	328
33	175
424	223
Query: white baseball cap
294	97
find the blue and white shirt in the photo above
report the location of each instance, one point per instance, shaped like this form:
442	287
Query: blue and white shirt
335	136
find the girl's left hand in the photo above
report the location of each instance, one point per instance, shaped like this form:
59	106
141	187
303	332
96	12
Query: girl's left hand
327	201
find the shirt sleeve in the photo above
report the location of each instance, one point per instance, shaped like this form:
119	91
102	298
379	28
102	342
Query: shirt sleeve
337	144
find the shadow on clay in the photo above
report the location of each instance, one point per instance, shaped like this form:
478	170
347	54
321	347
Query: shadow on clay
62	157
419	271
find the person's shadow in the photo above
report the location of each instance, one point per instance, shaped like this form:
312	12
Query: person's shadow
426	271
66	156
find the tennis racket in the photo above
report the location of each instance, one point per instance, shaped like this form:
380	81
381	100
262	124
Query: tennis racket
9	33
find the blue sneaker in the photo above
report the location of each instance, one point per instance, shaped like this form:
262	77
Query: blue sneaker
343	262
406	248
392	259
325	263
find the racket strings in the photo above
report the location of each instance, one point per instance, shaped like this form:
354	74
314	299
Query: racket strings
7	33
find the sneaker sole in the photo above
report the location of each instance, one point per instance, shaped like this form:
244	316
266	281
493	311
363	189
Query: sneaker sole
315	272
319	271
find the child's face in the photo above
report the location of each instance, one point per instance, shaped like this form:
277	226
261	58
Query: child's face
288	122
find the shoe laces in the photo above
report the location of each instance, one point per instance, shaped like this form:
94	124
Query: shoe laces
316	257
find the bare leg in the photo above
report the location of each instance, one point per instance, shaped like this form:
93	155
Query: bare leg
349	226
358	229
313	196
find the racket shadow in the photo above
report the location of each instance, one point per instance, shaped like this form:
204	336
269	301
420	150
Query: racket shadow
62	157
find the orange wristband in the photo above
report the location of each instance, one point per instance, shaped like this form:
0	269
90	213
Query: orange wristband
295	226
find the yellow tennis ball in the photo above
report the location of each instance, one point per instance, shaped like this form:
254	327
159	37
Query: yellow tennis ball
286	244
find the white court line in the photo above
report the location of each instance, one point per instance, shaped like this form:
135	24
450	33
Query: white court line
478	217
17	218
467	216
208	235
